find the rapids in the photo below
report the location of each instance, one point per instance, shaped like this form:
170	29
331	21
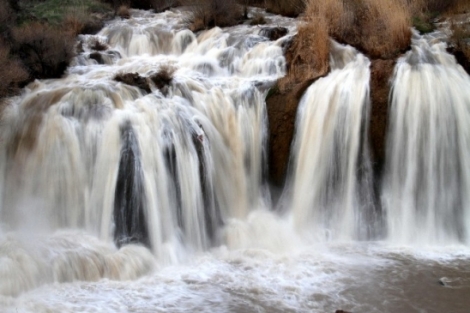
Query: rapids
120	199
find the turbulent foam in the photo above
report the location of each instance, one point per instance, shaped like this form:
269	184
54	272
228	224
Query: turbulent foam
358	278
66	257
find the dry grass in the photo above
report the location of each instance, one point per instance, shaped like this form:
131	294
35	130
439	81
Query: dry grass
308	55
123	11
431	8
73	24
45	51
77	20
211	13
12	73
381	29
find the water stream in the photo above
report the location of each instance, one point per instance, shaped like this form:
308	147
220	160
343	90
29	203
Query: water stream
120	199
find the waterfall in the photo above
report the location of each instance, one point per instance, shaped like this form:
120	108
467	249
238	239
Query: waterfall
331	180
166	165
136	181
427	178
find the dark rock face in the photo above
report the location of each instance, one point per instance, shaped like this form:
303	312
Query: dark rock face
282	110
273	33
133	79
380	84
97	57
461	58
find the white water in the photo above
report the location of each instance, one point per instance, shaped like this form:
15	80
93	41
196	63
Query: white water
331	192
428	167
86	152
194	158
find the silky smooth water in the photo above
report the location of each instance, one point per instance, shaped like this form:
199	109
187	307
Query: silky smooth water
118	200
427	170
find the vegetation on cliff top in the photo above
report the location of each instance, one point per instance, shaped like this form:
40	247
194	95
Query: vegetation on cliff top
379	29
37	37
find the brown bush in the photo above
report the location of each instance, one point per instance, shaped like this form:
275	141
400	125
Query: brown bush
45	51
211	13
380	29
12	73
73	24
80	22
308	55
123	11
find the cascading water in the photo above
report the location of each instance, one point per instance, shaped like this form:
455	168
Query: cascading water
168	168
331	188
428	169
123	199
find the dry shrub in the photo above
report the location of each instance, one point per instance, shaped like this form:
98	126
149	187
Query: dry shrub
290	8
460	6
211	13
386	30
123	11
380	29
308	55
12	73
45	51
79	21
73	24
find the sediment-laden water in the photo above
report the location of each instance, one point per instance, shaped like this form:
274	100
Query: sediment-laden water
123	199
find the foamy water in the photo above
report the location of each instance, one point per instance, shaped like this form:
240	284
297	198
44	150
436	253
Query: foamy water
175	178
367	277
